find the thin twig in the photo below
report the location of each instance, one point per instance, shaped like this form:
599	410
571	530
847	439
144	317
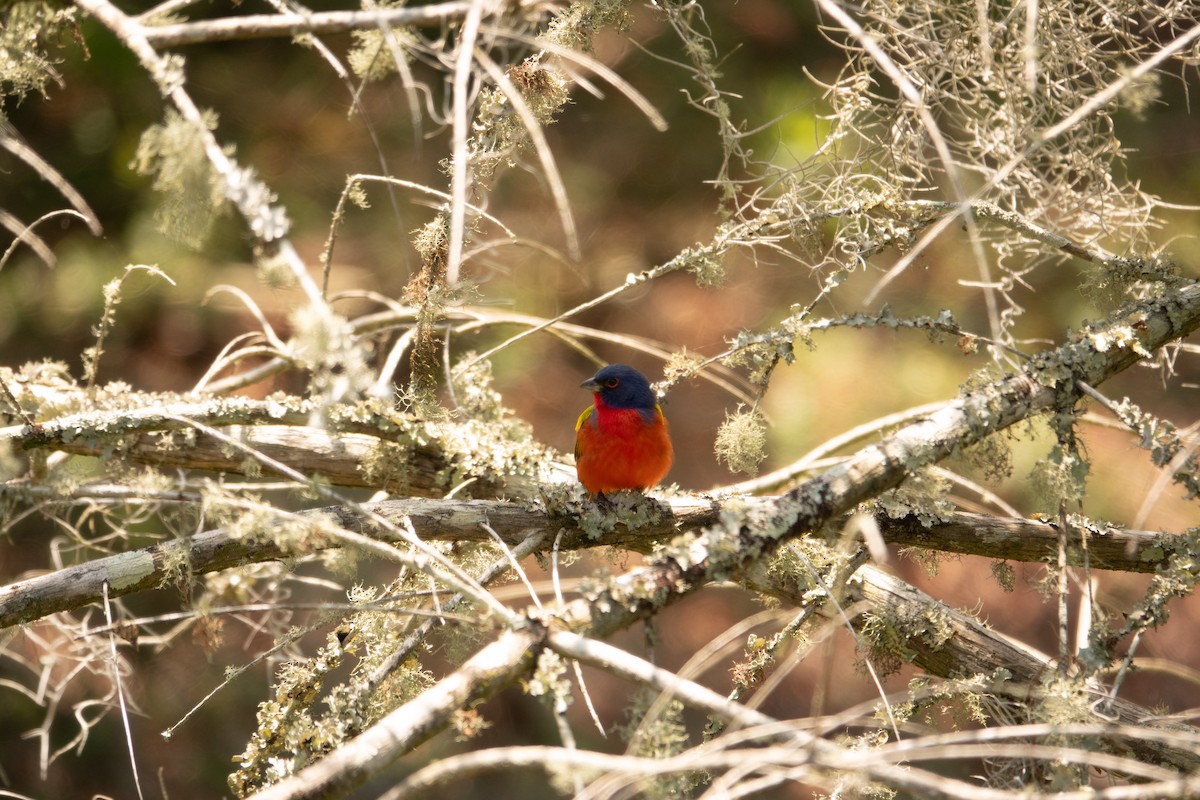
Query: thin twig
121	701
258	26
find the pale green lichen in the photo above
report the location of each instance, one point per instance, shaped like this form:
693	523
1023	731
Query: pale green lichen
1166	444
1178	577
287	737
656	729
549	680
804	563
1061	476
11	465
991	456
924	494
432	457
578	23
680	365
29	30
1063	700
706	264
1004	574
292	732
374	53
956	704
544	88
328	347
888	633
475	395
1119	337
760	353
173	153
741	441
928	558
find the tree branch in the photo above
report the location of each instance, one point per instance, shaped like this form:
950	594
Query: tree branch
463	520
361	445
743	538
261	26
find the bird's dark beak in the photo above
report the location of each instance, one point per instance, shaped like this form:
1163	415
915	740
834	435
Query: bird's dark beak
591	385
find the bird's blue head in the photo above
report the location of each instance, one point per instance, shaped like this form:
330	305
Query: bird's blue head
621	386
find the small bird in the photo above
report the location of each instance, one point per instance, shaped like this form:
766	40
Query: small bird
622	440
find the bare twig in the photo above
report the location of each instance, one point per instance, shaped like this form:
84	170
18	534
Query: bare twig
257	26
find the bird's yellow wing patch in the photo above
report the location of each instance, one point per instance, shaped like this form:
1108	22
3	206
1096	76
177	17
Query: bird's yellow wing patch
583	417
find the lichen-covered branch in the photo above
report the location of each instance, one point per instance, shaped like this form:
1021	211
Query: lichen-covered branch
744	541
365	444
902	624
579	523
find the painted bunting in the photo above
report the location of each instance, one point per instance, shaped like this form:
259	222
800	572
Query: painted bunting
621	440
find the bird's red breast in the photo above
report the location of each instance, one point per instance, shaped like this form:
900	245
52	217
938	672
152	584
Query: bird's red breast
621	448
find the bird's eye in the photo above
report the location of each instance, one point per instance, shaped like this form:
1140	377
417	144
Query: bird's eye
612	383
